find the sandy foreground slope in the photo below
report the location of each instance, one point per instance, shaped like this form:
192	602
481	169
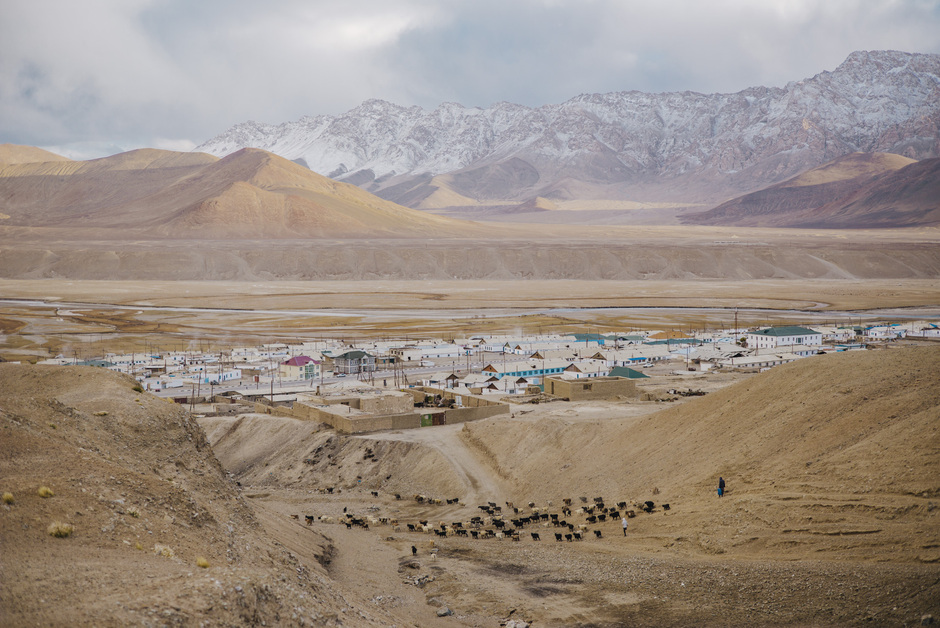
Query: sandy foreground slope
830	517
135	477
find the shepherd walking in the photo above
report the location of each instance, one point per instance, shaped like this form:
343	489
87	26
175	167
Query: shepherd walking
721	487
623	522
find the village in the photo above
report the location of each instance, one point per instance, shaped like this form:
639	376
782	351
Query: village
399	384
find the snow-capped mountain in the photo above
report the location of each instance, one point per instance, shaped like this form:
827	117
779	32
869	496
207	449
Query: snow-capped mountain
681	147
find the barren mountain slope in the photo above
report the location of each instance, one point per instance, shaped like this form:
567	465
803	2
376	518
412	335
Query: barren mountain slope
138	482
858	191
19	154
159	194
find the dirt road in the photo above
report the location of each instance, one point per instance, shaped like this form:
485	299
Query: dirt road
481	480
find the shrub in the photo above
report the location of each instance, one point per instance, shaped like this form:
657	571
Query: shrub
8	498
45	491
60	530
133	512
138	546
138	388
202	562
163	550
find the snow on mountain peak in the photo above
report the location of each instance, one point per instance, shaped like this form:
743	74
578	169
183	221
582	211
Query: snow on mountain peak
886	101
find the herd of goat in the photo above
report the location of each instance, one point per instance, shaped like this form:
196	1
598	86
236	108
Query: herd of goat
493	523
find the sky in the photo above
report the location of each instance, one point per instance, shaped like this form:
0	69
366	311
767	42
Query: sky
89	78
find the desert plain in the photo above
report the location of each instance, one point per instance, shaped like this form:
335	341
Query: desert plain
832	462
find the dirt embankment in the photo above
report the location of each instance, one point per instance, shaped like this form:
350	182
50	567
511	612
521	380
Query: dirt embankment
146	500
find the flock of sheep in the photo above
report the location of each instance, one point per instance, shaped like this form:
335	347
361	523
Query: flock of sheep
566	524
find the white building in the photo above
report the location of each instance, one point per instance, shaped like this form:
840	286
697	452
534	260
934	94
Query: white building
782	337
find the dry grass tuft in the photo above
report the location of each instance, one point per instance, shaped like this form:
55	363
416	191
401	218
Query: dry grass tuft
45	491
60	530
163	550
133	512
8	498
202	562
138	546
101	413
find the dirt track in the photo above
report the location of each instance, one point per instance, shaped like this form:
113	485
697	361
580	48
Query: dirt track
481	481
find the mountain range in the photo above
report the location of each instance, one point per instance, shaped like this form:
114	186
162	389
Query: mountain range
680	149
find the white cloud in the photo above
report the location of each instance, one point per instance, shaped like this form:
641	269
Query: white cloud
133	71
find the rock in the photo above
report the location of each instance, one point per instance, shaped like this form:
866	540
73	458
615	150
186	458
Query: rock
444	612
926	620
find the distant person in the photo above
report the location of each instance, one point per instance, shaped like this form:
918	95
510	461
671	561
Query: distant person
721	487
624	523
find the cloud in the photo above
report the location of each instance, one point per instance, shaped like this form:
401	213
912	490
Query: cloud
139	72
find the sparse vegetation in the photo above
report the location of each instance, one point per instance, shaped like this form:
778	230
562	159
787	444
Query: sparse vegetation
133	512
138	546
101	413
45	491
137	388
202	562
163	550
8	498
60	530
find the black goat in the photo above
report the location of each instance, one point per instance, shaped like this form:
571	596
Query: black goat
535	536
597	533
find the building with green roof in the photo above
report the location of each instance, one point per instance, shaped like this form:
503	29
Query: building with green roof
782	336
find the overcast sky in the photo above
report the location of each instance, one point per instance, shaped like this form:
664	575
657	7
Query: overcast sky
93	77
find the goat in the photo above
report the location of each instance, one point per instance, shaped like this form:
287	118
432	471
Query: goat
414	550
577	536
621	505
535	536
665	506
309	519
598	500
597	533
293	517
568	538
557	536
397	495
475	533
375	493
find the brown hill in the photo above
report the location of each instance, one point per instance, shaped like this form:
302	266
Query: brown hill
857	191
251	193
135	478
19	154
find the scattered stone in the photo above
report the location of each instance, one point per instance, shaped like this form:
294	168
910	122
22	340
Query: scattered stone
444	612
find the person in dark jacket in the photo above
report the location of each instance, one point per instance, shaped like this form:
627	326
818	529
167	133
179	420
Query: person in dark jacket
721	487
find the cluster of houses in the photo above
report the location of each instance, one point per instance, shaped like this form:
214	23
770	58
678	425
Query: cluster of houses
502	365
